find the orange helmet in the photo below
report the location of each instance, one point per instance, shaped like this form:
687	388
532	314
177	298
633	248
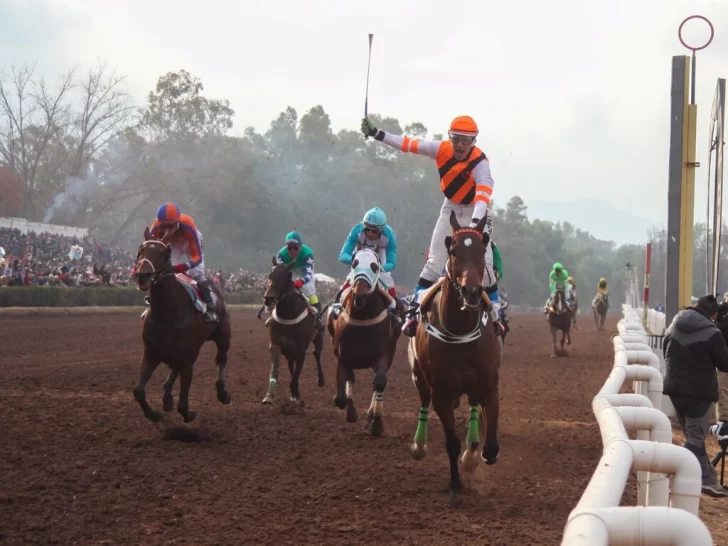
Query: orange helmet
464	125
168	214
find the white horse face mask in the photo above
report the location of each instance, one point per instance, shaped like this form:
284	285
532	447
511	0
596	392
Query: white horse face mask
365	266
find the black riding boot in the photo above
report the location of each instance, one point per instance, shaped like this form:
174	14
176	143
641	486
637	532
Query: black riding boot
319	320
210	315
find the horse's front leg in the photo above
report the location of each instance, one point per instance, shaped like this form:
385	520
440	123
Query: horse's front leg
167	397
295	365
553	342
318	345
491	408
275	356
376	409
469	460
183	404
146	369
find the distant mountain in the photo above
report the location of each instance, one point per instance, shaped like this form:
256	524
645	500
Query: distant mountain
598	217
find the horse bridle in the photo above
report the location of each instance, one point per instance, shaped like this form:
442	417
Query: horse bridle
285	294
448	274
164	271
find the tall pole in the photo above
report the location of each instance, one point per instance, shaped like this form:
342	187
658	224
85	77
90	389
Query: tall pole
648	264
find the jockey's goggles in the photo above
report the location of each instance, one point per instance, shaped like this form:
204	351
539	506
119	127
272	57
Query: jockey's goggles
457	139
293	246
372	229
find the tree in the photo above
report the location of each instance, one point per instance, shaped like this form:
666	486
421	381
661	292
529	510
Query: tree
106	111
176	108
32	118
11	192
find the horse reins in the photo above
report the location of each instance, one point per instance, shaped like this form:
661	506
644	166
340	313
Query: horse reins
156	275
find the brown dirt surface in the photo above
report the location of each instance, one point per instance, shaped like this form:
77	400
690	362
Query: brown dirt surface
81	465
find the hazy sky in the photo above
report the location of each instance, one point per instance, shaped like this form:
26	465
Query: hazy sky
572	97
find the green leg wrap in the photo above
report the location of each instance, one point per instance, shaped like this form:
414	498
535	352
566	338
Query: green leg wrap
272	382
473	432
421	434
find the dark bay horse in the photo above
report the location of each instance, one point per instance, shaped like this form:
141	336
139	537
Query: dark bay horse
291	329
174	331
600	306
559	317
455	352
363	336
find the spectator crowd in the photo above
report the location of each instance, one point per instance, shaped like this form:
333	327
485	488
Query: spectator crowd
47	259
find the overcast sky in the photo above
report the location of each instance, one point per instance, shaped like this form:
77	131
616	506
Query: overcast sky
572	97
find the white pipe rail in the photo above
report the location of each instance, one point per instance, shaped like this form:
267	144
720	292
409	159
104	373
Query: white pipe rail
669	476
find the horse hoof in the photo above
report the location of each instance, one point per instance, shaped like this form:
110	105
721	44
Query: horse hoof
340	402
188	416
418	451
351	414
377	427
168	402
321	381
153	416
469	461
223	397
490	456
268	400
553	355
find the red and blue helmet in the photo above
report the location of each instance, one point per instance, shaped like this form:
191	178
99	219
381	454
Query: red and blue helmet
168	214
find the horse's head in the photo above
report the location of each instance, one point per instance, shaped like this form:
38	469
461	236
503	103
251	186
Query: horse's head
466	260
278	283
152	259
559	303
364	276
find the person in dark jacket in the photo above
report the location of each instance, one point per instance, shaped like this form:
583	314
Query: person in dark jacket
694	347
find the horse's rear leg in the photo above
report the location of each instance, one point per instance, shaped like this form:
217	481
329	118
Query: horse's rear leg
295	365
183	404
168	398
443	408
470	460
492	412
275	357
553	342
222	341
318	346
376	409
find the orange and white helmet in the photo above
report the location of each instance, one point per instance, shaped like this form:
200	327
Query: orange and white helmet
463	126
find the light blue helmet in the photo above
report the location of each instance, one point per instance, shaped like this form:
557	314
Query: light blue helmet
375	218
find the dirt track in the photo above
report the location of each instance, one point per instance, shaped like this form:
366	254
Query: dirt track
81	465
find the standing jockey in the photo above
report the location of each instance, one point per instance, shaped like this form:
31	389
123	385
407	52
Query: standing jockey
557	279
374	233
465	180
186	242
303	270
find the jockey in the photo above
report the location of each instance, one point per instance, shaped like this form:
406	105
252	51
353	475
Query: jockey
557	278
465	181
493	271
374	233
186	242
303	270
602	290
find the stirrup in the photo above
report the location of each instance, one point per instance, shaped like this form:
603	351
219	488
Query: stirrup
410	327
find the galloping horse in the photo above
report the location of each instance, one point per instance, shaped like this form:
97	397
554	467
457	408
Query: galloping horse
291	329
559	316
455	351
363	336
600	306
174	329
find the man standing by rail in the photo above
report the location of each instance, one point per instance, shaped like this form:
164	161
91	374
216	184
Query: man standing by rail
694	347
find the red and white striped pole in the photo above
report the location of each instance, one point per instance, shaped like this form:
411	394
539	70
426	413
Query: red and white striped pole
648	261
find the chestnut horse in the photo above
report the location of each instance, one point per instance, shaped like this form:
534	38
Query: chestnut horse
455	351
559	317
291	329
363	336
600	306
174	331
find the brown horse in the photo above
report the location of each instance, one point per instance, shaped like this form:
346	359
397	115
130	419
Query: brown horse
600	306
291	329
174	330
363	336
559	317
455	352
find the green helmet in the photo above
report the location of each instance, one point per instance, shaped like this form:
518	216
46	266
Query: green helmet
293	237
558	266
